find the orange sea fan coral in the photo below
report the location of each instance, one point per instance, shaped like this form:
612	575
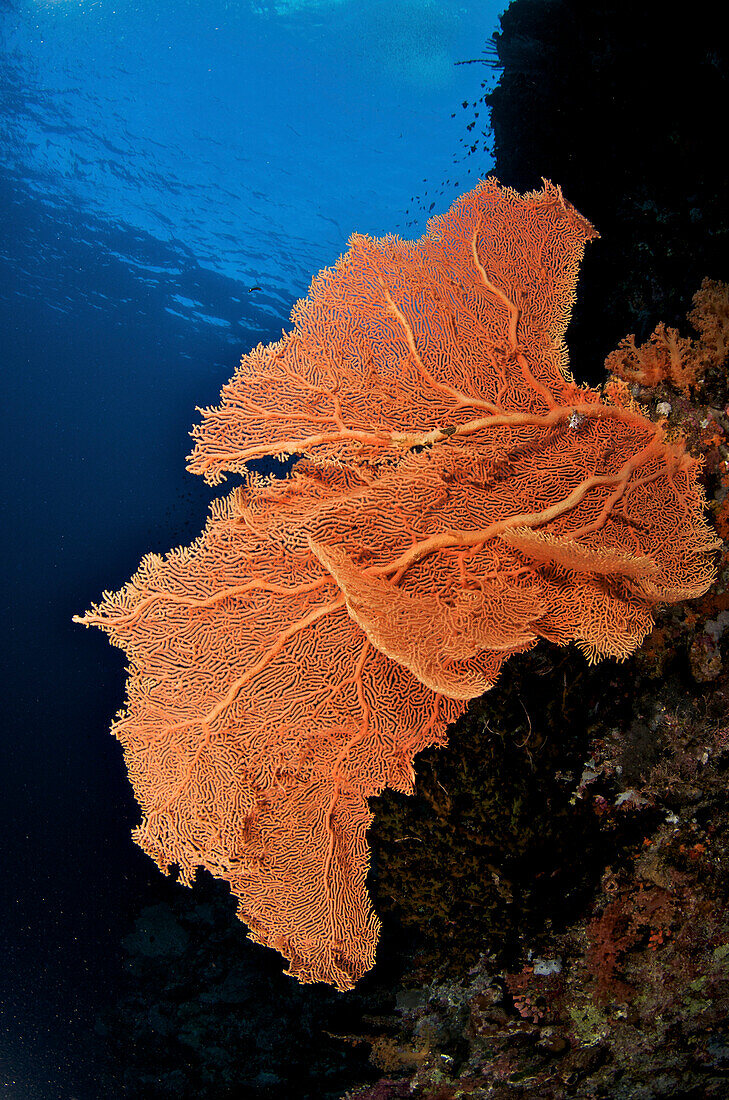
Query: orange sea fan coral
457	498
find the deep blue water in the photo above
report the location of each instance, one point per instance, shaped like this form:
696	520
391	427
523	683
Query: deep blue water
158	160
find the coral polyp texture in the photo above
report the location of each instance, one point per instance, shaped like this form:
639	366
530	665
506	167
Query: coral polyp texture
457	496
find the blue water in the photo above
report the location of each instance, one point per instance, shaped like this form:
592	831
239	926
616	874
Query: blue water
158	162
246	140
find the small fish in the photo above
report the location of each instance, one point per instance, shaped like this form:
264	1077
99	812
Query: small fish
252	288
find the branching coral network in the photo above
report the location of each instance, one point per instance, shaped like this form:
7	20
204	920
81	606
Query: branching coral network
456	498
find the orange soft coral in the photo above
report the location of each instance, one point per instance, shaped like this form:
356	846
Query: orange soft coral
668	357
